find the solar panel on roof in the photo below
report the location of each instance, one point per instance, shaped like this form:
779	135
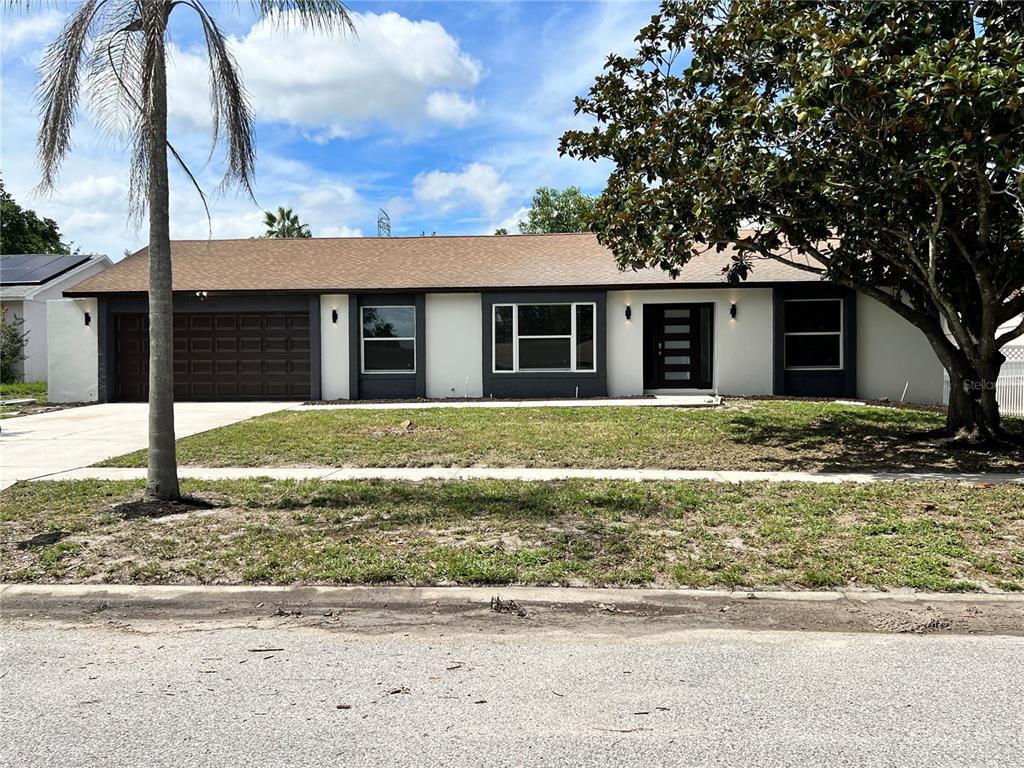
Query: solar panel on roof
36	268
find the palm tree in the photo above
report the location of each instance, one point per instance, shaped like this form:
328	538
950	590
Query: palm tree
284	223
119	46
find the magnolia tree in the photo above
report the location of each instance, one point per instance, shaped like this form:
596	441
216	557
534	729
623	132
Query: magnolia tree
878	144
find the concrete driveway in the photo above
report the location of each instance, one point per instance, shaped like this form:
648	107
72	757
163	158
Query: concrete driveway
40	445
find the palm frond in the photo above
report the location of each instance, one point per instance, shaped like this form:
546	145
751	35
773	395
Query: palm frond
319	15
59	89
153	58
230	112
115	68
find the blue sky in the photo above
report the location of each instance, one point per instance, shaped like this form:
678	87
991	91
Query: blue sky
446	114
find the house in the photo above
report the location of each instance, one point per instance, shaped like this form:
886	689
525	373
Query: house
27	282
479	316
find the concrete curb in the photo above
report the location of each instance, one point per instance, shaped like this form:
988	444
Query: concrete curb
633	611
531	474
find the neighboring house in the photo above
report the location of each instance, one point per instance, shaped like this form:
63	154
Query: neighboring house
1010	382
512	316
27	282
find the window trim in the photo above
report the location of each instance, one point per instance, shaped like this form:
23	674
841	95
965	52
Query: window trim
571	336
363	339
841	333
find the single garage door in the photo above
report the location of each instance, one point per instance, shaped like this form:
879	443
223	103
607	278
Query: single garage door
220	356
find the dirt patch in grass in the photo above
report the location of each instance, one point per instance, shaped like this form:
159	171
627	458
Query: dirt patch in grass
761	435
936	536
131	510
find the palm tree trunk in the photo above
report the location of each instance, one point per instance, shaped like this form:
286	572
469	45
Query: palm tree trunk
162	476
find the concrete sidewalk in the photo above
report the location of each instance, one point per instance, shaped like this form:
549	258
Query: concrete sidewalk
46	443
536	474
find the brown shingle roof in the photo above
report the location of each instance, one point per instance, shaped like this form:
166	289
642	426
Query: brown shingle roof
325	265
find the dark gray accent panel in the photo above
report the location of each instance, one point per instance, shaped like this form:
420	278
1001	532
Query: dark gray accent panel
270	302
314	348
353	347
105	344
546	384
839	383
387	386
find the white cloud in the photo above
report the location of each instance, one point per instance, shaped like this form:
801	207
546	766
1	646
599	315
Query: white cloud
339	232
476	184
511	223
95	190
336	84
450	107
18	31
328	198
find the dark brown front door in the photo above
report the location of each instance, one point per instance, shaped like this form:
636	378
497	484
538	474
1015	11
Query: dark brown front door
220	356
678	346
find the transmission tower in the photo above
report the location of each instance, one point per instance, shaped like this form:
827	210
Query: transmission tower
383	224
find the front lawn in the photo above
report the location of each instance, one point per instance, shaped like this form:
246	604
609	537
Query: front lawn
936	536
745	434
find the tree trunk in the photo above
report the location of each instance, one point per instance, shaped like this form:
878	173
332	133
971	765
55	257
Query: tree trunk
162	476
973	412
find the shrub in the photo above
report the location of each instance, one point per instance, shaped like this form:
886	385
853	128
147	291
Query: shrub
12	346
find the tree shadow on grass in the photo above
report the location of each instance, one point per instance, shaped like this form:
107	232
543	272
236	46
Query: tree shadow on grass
42	539
391	504
865	440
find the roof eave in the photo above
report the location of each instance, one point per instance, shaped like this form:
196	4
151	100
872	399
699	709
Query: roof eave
89	262
72	294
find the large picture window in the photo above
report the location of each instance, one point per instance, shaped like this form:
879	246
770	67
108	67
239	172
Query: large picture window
544	337
813	334
388	337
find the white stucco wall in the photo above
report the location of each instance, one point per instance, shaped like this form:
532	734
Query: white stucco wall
33	310
35	344
454	339
334	367
36	313
742	357
892	352
72	369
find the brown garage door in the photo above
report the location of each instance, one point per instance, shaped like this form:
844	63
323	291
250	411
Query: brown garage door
220	356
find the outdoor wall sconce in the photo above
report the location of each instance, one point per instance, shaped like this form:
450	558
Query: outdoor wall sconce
201	295
629	312
732	310
88	318
334	315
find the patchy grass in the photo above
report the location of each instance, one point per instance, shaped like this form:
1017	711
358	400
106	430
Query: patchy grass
746	434
921	535
33	389
18	390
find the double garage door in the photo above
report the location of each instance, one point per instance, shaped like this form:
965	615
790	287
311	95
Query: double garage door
220	356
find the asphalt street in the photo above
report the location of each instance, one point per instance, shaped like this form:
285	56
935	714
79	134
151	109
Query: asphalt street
216	694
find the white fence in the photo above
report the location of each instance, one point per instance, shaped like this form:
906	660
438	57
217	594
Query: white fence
1009	385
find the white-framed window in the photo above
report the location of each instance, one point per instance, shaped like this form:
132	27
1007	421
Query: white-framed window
388	339
557	336
813	334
